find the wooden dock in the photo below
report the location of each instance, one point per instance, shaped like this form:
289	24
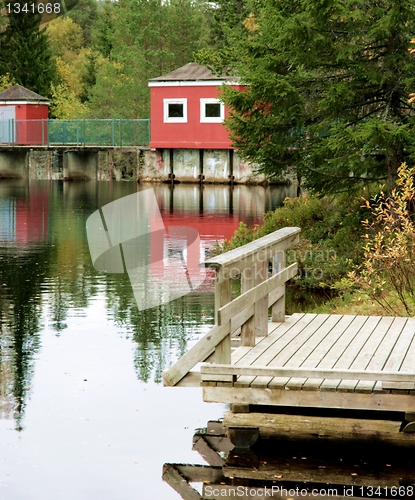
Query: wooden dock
304	360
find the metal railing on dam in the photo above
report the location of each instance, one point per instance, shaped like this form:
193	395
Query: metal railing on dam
113	132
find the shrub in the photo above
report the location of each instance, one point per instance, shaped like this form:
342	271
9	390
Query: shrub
330	244
388	268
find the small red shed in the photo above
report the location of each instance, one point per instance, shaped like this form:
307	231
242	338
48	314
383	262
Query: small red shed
23	117
185	109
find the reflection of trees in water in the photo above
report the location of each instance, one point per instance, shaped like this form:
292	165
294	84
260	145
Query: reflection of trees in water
162	333
24	277
6	375
66	293
20	310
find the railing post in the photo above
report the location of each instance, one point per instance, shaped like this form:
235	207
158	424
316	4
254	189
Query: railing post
248	328
113	132
261	306
278	309
222	297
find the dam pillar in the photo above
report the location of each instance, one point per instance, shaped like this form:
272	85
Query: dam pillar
14	164
80	165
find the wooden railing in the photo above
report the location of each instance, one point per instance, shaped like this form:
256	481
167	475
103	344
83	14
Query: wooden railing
246	315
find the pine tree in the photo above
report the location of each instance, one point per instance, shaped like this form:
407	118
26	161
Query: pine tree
225	23
328	84
141	39
24	50
85	15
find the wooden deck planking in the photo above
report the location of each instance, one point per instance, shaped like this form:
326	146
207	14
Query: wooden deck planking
278	354
239	353
276	331
409	360
307	358
315	358
335	349
355	345
381	355
398	354
303	353
329	341
366	353
275	335
401	347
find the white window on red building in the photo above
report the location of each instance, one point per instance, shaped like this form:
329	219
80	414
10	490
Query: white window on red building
175	110
211	111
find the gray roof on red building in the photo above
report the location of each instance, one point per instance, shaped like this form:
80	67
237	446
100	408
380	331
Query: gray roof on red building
19	93
192	72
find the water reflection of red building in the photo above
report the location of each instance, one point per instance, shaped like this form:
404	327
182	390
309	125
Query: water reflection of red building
25	220
209	226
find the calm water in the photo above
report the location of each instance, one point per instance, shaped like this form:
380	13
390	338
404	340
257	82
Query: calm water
83	413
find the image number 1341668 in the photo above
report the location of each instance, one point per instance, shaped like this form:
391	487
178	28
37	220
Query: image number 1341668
34	8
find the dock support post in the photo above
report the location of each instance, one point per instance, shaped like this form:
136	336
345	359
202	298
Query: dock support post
239	408
278	309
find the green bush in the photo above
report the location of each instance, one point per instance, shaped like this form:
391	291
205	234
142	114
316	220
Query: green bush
331	242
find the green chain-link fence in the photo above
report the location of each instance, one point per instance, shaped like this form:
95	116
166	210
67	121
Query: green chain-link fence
108	132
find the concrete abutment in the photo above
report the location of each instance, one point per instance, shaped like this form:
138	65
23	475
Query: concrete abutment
14	165
191	166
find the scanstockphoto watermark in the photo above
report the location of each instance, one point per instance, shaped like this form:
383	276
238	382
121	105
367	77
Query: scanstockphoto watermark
219	491
216	491
128	236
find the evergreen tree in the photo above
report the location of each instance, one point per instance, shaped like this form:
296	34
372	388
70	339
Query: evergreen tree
327	90
85	15
102	33
24	50
142	39
224	20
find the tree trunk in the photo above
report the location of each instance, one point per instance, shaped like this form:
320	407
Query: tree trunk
393	162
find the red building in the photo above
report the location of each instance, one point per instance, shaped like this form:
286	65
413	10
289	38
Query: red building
187	129
186	111
23	117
